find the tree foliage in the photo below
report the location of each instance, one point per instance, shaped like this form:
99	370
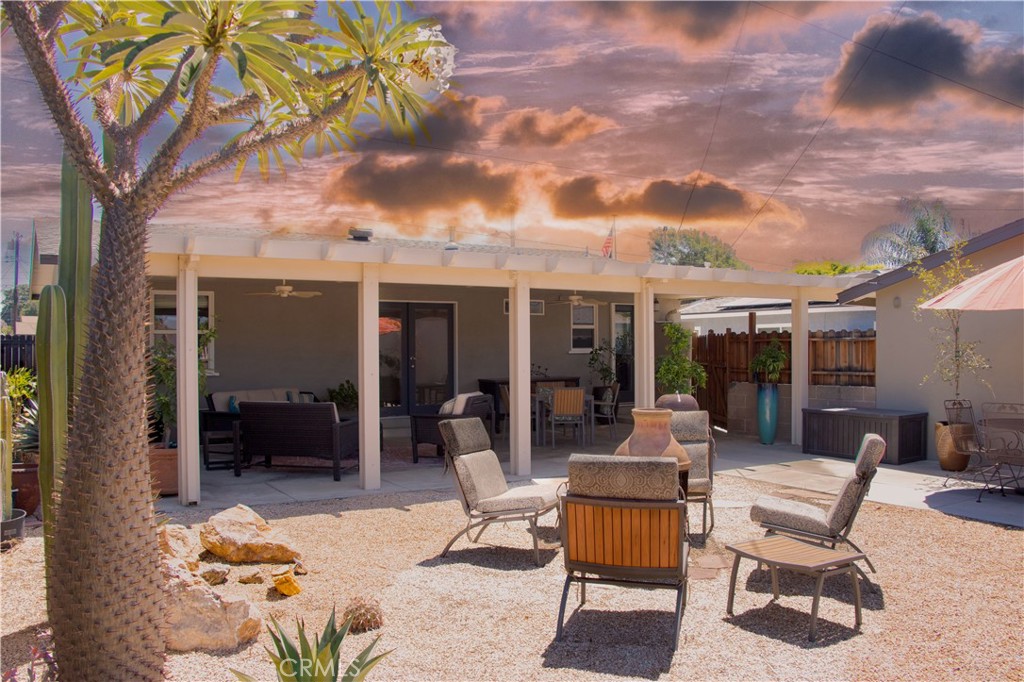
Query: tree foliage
927	228
692	247
830	267
954	355
199	86
26	306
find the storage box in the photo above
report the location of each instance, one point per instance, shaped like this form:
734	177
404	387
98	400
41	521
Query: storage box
838	431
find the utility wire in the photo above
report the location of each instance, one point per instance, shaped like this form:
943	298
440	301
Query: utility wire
820	127
718	113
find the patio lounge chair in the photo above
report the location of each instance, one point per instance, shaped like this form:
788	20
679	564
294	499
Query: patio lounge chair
692	430
463	406
481	484
829	527
624	524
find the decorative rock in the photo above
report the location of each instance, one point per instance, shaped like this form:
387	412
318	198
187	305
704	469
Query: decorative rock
215	575
251	578
299	568
241	535
196	617
178	541
285	582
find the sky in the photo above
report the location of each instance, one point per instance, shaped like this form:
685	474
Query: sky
789	130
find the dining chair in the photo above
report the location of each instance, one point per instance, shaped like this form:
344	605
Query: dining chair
568	408
606	408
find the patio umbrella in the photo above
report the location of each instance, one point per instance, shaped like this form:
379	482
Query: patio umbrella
999	288
386	325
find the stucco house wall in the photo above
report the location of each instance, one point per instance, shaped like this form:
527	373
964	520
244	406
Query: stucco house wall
906	349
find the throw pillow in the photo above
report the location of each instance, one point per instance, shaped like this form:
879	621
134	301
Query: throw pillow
607	397
289	397
447	407
233	404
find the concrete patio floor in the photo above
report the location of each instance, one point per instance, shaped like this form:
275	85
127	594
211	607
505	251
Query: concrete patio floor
918	484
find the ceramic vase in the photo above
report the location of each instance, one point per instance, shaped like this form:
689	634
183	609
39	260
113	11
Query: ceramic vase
678	402
767	412
652	437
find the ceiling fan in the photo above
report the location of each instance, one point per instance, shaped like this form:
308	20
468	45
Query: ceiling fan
576	300
285	290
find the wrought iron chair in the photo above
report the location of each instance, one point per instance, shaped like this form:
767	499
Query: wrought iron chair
606	408
624	523
481	484
1003	445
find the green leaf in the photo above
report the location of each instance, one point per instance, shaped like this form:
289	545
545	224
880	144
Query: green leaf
241	61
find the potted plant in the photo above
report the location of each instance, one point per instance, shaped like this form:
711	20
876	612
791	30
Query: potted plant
767	367
345	396
677	373
163	373
954	356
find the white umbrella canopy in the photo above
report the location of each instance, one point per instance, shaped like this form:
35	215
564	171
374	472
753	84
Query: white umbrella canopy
998	288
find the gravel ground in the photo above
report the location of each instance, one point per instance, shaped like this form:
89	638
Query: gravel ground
948	605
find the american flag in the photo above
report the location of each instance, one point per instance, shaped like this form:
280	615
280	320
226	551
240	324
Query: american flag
606	249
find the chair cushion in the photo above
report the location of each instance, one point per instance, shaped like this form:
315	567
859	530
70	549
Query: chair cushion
631	478
536	496
846	501
872	450
447	407
789	514
698	485
690	426
462	436
460	401
480	476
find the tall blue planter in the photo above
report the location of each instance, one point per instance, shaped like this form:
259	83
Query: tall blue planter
767	412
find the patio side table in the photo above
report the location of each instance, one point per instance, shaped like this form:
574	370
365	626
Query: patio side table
780	551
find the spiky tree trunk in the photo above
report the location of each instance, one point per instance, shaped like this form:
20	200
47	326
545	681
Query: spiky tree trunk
105	518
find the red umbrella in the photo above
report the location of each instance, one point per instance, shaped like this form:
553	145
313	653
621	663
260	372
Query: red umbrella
999	288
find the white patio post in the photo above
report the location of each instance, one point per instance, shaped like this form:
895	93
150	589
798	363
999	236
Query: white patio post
187	357
799	365
520	452
643	304
369	377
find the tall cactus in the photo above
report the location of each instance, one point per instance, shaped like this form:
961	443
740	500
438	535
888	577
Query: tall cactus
6	451
74	268
52	361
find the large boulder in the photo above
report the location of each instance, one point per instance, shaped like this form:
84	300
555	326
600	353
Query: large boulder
239	535
178	541
199	618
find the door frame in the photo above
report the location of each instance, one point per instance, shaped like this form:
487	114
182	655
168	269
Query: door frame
406	372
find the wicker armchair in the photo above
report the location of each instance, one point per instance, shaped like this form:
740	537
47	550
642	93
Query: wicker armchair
464	406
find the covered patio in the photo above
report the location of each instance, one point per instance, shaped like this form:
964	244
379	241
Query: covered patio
370	267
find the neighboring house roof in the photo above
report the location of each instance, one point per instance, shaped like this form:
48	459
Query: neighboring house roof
735	304
868	289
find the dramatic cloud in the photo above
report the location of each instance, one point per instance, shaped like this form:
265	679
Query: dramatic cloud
702	25
535	128
924	67
407	189
710	200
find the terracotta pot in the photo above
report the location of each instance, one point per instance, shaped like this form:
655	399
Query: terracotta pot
163	468
949	458
25	478
678	402
652	437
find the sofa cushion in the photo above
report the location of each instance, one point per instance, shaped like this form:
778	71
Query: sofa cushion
258	395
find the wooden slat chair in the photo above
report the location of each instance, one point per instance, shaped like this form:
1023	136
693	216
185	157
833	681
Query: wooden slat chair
623	523
692	430
829	527
568	409
481	484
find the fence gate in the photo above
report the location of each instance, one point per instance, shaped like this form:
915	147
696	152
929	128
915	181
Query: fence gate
18	351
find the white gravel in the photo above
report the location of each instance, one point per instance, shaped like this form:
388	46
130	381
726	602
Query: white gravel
949	605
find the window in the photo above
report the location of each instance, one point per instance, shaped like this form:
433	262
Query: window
164	320
583	328
536	307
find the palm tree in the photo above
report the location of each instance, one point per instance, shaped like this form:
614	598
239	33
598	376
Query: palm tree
928	229
292	82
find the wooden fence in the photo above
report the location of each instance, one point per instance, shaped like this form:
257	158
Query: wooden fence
18	351
835	358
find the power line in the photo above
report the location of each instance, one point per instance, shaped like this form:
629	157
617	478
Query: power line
820	127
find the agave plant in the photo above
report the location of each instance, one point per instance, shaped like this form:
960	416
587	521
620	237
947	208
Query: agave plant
319	662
